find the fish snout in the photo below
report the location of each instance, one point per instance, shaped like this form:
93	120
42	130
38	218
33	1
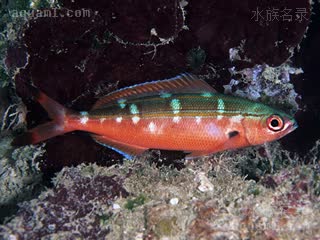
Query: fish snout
290	125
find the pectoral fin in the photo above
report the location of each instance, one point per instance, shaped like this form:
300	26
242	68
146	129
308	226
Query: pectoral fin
128	151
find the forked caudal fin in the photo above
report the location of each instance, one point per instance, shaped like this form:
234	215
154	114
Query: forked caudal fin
56	112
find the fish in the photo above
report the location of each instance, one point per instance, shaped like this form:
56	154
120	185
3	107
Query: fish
183	113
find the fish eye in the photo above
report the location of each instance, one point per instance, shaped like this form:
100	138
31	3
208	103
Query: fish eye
275	123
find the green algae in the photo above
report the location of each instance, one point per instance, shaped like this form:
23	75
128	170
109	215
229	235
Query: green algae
104	219
135	202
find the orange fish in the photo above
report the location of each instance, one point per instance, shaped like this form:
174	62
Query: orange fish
182	113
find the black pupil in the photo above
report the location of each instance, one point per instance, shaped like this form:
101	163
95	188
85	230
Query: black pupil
274	123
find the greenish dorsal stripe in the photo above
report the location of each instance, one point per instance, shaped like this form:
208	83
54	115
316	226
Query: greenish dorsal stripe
187	104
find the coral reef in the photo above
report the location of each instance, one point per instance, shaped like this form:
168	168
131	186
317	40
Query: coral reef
140	201
20	176
271	85
80	205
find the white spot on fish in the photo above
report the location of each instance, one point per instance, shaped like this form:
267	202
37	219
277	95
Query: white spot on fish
198	119
83	113
176	105
84	120
102	120
135	119
220	105
176	119
219	117
119	119
122	103
236	119
206	94
152	127
213	130
134	109
165	95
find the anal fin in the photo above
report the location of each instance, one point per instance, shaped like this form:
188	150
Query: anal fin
128	151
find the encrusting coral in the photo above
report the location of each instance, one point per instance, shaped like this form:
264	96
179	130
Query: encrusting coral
140	201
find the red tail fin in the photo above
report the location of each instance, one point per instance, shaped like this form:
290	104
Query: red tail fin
48	130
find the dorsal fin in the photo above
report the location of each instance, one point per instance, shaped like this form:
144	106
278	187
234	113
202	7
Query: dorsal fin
183	83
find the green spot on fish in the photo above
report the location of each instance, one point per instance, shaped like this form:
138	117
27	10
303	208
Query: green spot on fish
176	105
165	95
220	105
134	109
122	103
206	94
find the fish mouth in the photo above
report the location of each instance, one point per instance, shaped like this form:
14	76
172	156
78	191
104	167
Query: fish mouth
293	126
290	125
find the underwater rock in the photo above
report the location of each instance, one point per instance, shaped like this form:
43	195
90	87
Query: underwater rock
271	85
79	205
12	115
20	176
267	30
204	184
93	202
